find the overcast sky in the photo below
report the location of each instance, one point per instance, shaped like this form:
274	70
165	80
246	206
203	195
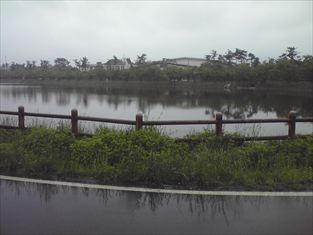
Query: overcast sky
34	30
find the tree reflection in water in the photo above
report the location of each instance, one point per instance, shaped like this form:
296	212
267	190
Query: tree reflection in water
162	103
205	207
236	104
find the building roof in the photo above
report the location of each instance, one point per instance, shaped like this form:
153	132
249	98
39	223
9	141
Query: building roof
180	65
187	58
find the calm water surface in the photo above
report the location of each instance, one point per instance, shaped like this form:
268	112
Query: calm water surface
29	208
157	103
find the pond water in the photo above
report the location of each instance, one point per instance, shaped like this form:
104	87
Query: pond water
162	103
31	208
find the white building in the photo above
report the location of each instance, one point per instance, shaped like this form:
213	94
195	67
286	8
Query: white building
185	61
181	62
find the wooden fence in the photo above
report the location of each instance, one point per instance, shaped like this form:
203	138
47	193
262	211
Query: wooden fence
291	120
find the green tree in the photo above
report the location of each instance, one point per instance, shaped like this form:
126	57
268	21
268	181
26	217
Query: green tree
141	59
254	61
77	63
229	57
44	64
212	58
82	64
61	63
240	55
290	54
30	64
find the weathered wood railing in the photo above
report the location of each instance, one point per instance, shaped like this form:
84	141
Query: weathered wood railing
139	122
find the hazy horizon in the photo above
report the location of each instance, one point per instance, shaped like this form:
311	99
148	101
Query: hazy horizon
33	30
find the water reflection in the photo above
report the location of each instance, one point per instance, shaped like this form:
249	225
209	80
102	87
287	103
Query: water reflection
195	204
233	104
158	103
171	213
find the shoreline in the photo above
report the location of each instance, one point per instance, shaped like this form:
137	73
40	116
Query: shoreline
299	86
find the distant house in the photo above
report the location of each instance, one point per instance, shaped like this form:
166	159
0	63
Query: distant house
98	65
117	64
186	61
181	62
88	68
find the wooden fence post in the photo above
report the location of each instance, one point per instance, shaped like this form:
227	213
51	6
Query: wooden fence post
139	121
74	120
21	116
218	126
292	124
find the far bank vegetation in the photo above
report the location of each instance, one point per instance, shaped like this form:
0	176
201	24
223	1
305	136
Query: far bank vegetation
237	65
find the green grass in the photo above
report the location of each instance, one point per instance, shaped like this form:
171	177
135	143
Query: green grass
150	158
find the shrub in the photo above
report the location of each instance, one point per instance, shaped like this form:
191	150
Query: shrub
146	154
9	159
148	157
44	150
106	147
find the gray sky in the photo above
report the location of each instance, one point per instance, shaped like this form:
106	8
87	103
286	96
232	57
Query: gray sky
34	30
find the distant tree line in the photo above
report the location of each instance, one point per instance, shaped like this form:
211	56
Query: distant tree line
237	65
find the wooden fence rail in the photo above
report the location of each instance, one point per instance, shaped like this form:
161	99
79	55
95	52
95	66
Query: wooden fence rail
139	123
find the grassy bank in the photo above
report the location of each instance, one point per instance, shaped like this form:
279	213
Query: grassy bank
149	158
